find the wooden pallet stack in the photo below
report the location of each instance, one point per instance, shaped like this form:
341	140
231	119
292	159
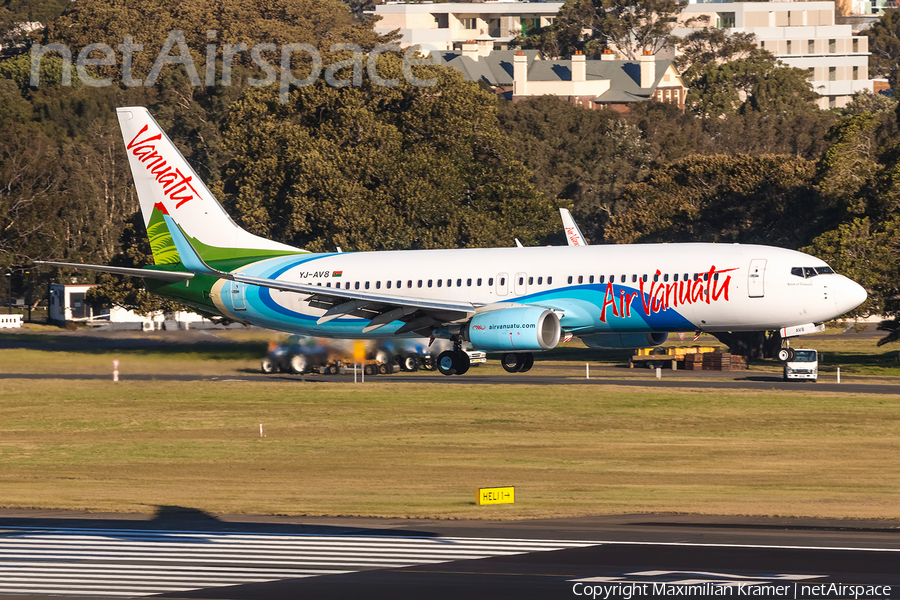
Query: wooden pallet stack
717	361
693	362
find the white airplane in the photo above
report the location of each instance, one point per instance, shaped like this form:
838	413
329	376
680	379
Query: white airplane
516	301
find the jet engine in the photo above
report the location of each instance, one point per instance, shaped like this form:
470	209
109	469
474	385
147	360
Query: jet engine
519	329
623	340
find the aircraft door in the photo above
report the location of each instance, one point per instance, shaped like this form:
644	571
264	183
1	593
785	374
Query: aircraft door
756	278
502	284
236	293
520	284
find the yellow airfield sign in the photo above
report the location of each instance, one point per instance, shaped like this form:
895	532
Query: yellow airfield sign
496	495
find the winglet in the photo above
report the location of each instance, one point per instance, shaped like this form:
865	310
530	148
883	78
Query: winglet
189	257
573	234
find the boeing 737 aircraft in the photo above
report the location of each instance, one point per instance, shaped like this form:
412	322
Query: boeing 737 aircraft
510	300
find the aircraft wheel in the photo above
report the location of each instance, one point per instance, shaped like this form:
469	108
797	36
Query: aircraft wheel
511	362
463	363
370	369
298	364
410	363
268	366
527	363
384	369
447	363
331	369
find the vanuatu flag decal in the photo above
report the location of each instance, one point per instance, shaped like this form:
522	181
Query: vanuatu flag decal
337	273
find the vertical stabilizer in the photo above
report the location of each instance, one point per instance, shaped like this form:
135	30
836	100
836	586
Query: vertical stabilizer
167	185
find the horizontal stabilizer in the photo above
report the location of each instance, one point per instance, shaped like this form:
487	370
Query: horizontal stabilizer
146	273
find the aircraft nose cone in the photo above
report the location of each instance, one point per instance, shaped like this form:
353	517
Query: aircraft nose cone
851	295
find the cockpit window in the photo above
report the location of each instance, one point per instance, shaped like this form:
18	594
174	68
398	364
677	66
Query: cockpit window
807	272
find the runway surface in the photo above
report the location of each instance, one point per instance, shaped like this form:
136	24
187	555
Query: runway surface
288	558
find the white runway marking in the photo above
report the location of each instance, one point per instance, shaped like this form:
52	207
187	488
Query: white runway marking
134	563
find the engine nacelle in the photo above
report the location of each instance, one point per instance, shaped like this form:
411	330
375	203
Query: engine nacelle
526	328
623	340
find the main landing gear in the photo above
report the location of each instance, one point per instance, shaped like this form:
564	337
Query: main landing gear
453	362
517	363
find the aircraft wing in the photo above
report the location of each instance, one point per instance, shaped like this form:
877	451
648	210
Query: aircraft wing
380	309
149	273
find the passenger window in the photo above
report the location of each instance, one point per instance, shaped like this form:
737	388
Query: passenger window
686	277
367	285
706	277
634	279
603	279
581	279
388	285
347	286
570	279
655	277
675	277
420	283
715	276
503	281
356	285
521	280
377	285
540	280
449	283
459	283
399	284
468	283
490	281
591	279
409	283
328	284
478	282
429	282
666	277
645	278
549	280
440	282
319	284
530	280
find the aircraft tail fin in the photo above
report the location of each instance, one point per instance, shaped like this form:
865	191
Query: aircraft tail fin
168	186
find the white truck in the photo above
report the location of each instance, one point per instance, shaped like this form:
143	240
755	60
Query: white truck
804	365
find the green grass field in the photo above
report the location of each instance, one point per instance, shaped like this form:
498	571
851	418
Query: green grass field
421	450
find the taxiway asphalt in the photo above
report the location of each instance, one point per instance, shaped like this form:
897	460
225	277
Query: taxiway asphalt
193	555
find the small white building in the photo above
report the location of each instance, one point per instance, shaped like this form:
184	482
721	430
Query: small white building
801	34
67	304
446	26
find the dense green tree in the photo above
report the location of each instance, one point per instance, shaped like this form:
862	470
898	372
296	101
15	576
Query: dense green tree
629	27
884	46
761	199
847	169
713	46
375	168
576	155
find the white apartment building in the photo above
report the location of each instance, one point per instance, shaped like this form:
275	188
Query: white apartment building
446	26
800	34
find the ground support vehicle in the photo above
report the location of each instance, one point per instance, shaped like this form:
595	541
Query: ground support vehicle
804	364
